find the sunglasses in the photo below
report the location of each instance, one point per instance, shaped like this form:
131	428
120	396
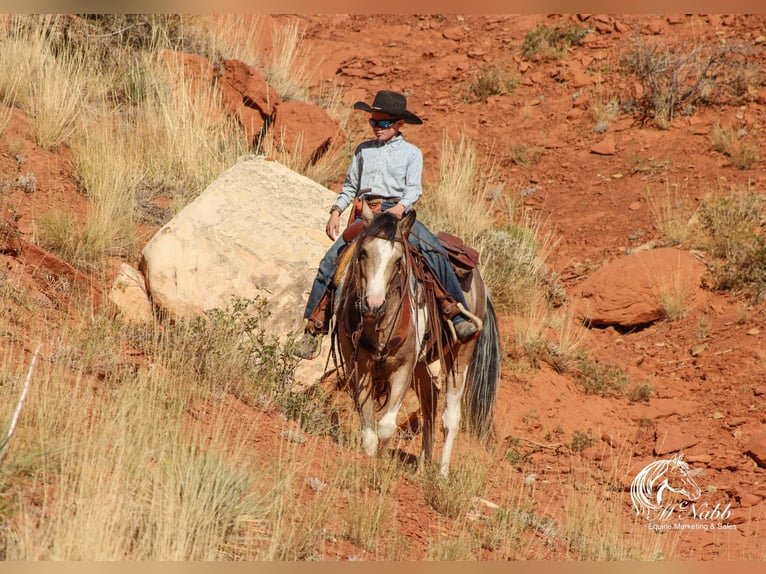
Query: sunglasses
382	124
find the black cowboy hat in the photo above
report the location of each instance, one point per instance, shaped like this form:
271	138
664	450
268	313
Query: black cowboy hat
392	103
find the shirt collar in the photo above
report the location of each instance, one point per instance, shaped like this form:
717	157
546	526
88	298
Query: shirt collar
392	142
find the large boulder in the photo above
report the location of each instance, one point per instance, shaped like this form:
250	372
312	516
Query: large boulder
256	231
636	289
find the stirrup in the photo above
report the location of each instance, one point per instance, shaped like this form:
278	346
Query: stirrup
471	317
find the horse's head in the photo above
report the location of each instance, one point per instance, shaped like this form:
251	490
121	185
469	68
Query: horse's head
651	487
380	251
680	480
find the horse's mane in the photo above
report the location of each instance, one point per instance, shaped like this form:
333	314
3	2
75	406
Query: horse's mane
383	225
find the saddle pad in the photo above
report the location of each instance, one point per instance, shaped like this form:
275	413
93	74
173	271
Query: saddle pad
460	254
343	258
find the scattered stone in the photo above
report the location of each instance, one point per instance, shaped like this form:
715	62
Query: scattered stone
698	458
669	440
484	502
756	449
457	33
129	295
247	96
653	28
606	146
579	79
746	500
699	349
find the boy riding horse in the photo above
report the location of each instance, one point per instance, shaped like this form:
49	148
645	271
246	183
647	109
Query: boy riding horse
387	169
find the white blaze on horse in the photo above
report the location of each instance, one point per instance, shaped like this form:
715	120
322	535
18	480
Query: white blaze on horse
390	336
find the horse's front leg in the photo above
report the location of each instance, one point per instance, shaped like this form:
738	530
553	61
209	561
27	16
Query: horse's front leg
427	397
367	414
452	414
399	382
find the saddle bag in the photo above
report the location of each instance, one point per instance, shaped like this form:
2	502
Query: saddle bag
464	259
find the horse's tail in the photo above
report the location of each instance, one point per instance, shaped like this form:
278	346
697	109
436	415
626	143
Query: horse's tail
483	377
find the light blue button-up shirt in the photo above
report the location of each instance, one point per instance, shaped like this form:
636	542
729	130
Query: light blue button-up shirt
391	169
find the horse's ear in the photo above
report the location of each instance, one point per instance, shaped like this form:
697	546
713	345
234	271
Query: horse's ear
407	222
367	213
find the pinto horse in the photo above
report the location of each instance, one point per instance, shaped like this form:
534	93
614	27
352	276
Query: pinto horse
391	336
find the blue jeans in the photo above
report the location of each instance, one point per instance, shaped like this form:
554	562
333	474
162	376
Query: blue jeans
426	242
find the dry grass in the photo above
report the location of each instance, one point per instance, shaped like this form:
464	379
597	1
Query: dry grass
286	72
672	214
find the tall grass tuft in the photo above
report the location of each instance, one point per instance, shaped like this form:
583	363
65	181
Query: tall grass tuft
731	223
672	215
463	203
181	144
286	73
456	203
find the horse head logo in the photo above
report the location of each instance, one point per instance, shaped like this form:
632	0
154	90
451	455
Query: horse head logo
652	486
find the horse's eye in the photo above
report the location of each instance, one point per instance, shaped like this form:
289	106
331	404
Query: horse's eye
362	254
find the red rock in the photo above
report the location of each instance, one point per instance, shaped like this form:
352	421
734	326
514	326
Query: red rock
579	79
669	440
247	96
457	33
606	146
756	449
627	291
305	129
746	500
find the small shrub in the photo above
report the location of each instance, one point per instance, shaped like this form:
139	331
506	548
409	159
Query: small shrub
675	82
27	183
640	392
462	548
551	43
730	222
722	137
743	155
603	380
81	245
525	155
580	441
604	113
491	81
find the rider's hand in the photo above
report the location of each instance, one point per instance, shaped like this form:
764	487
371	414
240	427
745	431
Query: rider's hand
397	210
333	225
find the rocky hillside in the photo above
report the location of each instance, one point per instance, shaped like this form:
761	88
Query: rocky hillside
575	139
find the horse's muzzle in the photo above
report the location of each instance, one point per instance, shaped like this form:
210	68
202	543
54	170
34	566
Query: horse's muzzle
370	311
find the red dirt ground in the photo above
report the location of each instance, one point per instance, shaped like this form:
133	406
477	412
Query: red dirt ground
707	370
